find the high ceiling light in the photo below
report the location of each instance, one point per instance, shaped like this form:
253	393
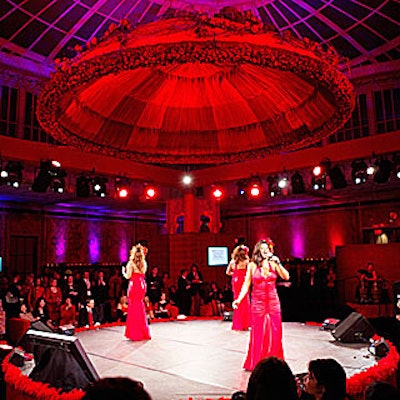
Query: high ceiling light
384	168
359	173
337	177
217	192
82	186
122	186
11	175
297	183
273	187
99	187
187	180
150	192
241	188
50	175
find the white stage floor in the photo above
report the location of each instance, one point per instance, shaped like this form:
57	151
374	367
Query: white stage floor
203	358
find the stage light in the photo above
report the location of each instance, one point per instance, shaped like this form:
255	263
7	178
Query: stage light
82	186
49	171
99	187
359	173
58	184
241	191
255	190
337	177
122	187
187	180
297	183
150	192
273	186
396	165
11	175
318	183
317	170
384	168
217	192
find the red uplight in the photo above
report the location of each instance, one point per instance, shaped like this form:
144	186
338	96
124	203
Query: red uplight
151	192
123	193
255	190
217	193
317	170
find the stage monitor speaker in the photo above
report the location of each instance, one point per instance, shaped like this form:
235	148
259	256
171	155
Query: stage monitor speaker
60	360
40	326
354	329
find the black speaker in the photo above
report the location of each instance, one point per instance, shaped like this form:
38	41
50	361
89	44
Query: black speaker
354	329
60	360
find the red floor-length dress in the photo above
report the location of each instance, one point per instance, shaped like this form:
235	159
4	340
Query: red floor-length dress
137	327
241	320
266	330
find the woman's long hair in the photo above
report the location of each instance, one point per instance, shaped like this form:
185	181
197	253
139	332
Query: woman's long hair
272	379
137	261
257	258
240	253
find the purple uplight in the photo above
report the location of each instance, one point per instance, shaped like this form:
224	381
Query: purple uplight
123	250
298	239
61	242
94	243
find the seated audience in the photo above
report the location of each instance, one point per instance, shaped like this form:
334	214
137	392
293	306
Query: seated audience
162	310
41	313
122	308
271	379
382	391
117	389
149	308
87	315
326	380
25	314
68	313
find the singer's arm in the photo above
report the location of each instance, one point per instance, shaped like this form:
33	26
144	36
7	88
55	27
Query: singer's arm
280	269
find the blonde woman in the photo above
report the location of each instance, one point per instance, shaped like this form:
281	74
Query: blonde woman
237	268
266	329
137	327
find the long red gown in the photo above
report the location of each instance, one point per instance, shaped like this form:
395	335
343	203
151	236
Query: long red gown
241	320
137	327
266	331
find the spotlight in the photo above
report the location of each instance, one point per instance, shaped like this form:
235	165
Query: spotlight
122	187
217	192
337	177
383	171
49	171
11	175
255	189
273	186
58	184
187	180
241	188
82	186
396	165
297	183
99	187
150	192
359	173
318	183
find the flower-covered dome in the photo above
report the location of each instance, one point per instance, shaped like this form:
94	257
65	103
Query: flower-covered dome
196	90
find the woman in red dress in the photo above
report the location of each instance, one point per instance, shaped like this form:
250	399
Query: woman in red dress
237	269
137	327
266	328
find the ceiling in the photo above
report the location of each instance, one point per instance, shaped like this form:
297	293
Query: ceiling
365	31
34	33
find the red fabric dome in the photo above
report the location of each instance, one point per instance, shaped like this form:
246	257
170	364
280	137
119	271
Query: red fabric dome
196	90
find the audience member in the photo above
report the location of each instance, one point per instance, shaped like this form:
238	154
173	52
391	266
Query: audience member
382	391
196	283
71	290
117	388
100	295
87	315
272	379
26	314
122	308
53	297
41	312
184	295
161	310
154	285
326	380
67	313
